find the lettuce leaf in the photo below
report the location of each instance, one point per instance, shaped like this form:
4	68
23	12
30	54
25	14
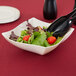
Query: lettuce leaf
36	34
46	44
19	39
39	40
58	40
31	39
49	34
23	33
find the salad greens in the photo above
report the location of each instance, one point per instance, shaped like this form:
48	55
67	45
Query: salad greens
58	40
36	36
39	40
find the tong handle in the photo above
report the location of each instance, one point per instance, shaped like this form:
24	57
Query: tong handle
73	18
72	13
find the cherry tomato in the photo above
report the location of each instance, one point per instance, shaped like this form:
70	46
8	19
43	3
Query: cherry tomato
51	39
25	38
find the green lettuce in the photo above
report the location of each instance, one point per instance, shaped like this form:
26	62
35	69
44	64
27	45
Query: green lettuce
49	34
23	33
46	44
58	40
39	40
31	39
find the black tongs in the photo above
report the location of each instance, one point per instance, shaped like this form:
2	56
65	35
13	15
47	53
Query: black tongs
60	26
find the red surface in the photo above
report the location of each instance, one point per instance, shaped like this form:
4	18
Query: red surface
17	62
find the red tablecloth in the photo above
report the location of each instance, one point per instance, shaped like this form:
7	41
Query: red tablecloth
17	62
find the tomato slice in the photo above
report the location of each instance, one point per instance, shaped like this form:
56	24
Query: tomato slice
51	39
26	38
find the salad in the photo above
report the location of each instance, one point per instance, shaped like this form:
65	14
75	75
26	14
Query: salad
36	36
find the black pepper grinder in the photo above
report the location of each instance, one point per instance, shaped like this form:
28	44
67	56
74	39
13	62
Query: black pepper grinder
75	14
75	4
50	9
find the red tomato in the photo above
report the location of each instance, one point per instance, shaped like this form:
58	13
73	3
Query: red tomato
25	38
51	39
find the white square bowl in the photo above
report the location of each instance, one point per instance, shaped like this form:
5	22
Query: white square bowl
29	47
